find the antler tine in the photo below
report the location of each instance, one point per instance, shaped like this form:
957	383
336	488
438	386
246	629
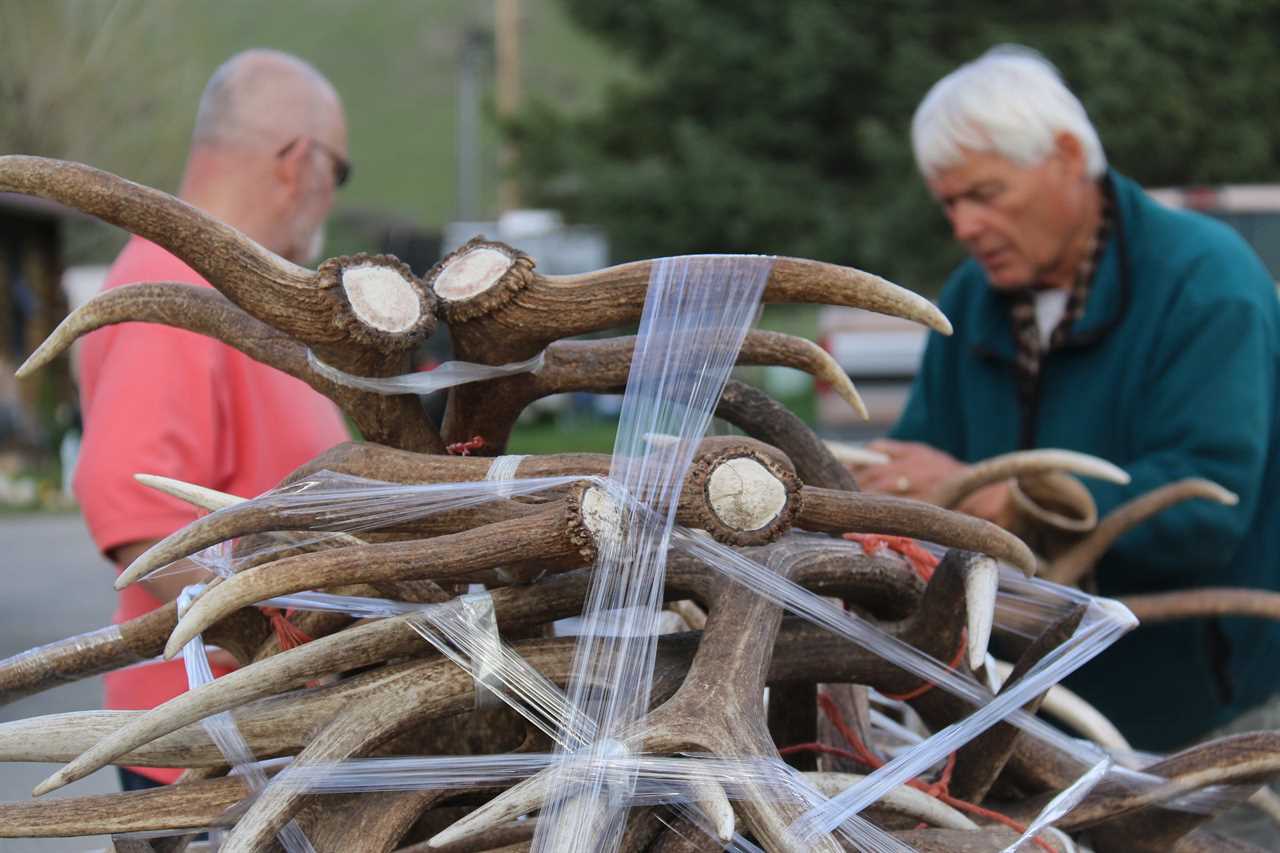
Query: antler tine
1077	714
773	484
992	838
1203	603
115	646
268	514
84	655
739	495
903	800
217	251
182	306
198	496
61	737
1007	465
169	807
370	301
206	312
498	309
360	646
1080	559
1236	759
764	418
602	366
555	535
839	512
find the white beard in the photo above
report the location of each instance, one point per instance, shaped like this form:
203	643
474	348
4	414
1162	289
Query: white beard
315	246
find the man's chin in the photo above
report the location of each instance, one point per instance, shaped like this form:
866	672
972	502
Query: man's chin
1006	278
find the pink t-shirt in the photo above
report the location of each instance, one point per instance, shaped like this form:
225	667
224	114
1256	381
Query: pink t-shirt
159	400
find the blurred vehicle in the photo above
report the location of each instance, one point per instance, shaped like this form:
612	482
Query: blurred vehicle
881	355
1252	209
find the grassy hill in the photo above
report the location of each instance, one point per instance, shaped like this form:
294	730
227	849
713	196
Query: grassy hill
115	84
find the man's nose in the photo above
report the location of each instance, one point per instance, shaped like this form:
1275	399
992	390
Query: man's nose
966	222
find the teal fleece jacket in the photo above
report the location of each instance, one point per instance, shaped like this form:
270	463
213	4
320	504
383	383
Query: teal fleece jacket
1171	372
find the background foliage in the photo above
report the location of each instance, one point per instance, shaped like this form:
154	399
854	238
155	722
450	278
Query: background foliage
114	83
758	126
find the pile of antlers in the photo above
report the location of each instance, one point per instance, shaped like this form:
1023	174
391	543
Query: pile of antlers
371	687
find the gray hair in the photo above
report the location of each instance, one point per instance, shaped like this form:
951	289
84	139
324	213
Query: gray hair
1010	101
262	90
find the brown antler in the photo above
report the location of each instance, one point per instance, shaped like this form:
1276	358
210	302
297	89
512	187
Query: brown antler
1073	565
603	366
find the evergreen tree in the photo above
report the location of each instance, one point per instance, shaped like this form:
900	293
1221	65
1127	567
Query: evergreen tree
760	126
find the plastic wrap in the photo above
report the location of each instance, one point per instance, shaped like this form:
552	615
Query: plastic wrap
503	469
696	314
697	311
341	505
222	730
64	661
350	504
444	376
1064	802
465	631
1024	606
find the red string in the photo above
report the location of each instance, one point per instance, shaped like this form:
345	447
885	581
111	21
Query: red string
924	562
288	635
464	448
925	687
832	712
938	790
921	560
821	747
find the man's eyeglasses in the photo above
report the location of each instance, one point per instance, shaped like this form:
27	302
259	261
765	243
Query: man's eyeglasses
341	165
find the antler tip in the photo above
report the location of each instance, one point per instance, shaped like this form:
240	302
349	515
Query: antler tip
34	362
139	568
177	640
445	836
53	783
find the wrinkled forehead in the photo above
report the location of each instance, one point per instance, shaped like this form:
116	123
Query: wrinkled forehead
972	169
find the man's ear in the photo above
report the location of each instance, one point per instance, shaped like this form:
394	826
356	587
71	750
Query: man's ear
289	165
1069	148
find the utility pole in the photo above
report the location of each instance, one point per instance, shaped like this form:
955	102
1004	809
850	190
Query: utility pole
507	44
473	62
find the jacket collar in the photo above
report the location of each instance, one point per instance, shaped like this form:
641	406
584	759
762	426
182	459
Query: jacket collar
1109	295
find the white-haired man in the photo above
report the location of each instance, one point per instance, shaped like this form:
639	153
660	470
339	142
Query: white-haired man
268	152
1091	318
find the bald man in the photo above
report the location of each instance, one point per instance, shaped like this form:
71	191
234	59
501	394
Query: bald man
268	153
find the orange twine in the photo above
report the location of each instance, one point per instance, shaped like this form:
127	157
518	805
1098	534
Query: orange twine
288	635
921	560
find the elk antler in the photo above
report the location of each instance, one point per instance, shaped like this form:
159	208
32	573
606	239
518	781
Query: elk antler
1079	561
1009	465
602	366
740	490
362	314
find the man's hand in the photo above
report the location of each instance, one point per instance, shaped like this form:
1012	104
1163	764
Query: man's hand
916	470
168	585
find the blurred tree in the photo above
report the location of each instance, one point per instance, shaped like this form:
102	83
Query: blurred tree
759	126
107	83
